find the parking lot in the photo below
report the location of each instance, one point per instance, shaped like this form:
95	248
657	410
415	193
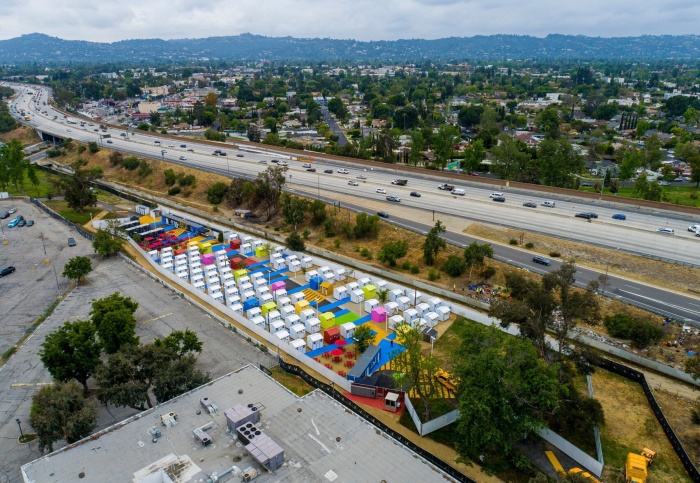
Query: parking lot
26	293
160	311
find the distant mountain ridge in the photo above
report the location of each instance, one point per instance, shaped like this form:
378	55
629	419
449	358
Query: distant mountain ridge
45	49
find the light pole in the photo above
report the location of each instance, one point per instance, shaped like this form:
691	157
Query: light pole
20	429
607	266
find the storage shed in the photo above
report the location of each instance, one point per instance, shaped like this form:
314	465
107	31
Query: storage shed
434	303
298	345
364	281
266	298
423	309
340	275
307	314
297	332
283	335
283	302
291	320
431	319
297	297
370	291
310	274
248	295
307	262
410	315
357	296
312	325
371	304
258	321
253	312
392	308
395	294
443	313
236	308
250	303
240	273
277	326
314	341
279	294
331	335
403	302
347	330
352	286
395	321
279	263
295	266
326	288
273	316
300	306
275	286
261	251
327	320
268	307
379	314
315	282
287	311
340	292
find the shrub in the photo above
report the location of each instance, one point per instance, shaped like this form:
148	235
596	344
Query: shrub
554	254
414	269
433	274
513	241
366	253
186	180
529	245
220	238
170	177
295	243
53	152
454	266
144	168
329	227
131	163
115	158
392	251
337	243
640	332
81	149
217	192
174	190
305	234
488	272
93	147
406	265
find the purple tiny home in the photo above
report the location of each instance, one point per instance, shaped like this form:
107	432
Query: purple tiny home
208	259
278	286
378	314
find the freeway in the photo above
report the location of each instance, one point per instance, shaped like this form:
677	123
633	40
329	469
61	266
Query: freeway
635	235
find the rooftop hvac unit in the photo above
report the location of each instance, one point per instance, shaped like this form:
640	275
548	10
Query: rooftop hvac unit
168	420
201	436
249	475
209	405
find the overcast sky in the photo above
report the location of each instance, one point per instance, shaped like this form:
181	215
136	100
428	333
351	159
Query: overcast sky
108	21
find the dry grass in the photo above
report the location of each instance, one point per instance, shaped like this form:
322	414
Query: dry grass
291	382
25	134
631	425
675	277
677	412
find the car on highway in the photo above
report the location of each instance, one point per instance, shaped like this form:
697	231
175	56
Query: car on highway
619	216
394	199
224	154
343	171
383	214
69	130
6	271
311	170
585	215
665	231
71	242
693	228
182	158
171	145
415	194
190	150
109	141
30	223
381	191
362	176
306	165
328	171
353	183
500	199
496	195
530	204
122	134
274	161
183	145
664	183
541	260
262	161
283	163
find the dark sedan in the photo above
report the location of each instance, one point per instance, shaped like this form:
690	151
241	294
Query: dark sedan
530	204
500	199
383	214
541	260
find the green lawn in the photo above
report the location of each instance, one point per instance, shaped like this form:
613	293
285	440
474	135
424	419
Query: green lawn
61	207
40	191
680	195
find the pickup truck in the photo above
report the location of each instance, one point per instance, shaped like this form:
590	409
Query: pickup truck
400	182
446	187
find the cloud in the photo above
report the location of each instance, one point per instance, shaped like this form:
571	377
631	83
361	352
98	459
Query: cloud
358	19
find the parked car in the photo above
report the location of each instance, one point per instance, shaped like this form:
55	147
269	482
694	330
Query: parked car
664	183
328	171
4	215
71	242
353	183
541	260
381	191
530	204
500	199
383	214
6	271
14	222
30	223
395	199
415	194
12	211
21	222
619	216
665	231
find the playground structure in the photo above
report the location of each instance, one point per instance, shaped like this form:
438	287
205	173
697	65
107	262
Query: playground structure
447	380
573	471
313	308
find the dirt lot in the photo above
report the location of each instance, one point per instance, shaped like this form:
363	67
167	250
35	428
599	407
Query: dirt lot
25	134
638	268
677	411
27	292
629	426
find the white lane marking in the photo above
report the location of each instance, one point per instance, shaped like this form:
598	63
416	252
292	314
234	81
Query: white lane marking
664	303
322	445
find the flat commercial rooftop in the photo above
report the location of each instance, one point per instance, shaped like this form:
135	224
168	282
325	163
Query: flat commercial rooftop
321	442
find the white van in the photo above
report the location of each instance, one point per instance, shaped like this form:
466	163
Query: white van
459	192
548	204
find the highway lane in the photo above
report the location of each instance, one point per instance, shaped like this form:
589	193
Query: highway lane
632	235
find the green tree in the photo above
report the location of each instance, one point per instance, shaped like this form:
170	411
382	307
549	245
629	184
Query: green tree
114	320
510	157
317	208
392	251
61	412
446	137
415	155
93	147
505	392
474	154
366	226
72	352
178	377
433	243
293	209
692	367
558	163
105	244
13	165
631	160
364	337
547	121
181	342
77	188
474	255
77	268
295	242
268	188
